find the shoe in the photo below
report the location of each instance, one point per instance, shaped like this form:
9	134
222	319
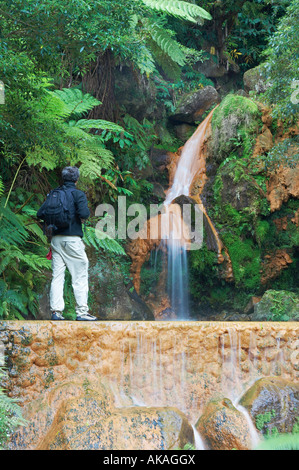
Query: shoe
86	317
57	316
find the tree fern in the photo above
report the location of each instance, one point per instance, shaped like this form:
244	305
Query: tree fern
81	147
42	157
74	102
179	9
11	228
100	240
13	255
171	47
96	124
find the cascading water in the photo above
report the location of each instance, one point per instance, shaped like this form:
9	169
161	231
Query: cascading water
173	230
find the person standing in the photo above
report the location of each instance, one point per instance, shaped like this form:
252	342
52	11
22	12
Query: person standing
67	246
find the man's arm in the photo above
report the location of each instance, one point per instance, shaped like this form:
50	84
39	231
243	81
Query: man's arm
81	206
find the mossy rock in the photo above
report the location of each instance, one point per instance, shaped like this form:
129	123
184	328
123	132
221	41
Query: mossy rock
223	427
273	404
235	124
255	80
277	306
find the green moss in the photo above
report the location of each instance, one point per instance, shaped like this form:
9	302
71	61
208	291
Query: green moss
237	105
246	261
262	229
235	124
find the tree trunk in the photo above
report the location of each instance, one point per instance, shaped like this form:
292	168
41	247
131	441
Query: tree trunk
99	81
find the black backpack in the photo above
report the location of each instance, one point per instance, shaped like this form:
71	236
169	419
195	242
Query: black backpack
58	210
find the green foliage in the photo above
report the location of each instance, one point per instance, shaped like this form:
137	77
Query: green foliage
246	261
261	230
101	241
22	254
263	419
10	415
284	153
256	22
282	66
184	10
84	149
280	305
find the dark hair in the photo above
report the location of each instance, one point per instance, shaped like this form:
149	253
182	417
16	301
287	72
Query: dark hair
70	173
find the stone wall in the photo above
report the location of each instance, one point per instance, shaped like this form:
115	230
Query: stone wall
58	368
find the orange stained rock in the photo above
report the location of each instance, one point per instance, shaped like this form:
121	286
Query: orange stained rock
187	175
283	183
274	263
89	377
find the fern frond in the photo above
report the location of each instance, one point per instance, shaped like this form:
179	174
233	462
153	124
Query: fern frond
179	9
13	254
42	157
171	47
145	60
11	228
96	124
169	67
92	165
100	240
37	231
76	102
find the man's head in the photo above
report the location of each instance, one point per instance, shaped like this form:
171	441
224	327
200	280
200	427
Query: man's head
70	173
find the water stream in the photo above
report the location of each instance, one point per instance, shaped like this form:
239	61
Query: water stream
173	233
159	373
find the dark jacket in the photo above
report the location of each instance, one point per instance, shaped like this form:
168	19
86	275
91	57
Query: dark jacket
82	212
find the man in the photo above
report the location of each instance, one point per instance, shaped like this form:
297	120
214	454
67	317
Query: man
68	251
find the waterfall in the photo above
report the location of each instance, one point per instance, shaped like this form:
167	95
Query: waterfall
173	233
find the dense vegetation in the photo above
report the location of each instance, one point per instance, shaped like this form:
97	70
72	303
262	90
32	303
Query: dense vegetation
65	104
92	83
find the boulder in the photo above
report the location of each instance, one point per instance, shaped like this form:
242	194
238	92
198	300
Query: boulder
135	428
211	68
255	80
235	123
223	427
272	403
184	131
277	306
251	304
137	95
112	299
193	105
70	402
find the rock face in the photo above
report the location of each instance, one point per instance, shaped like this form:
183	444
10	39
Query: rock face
108	384
282	185
273	403
275	261
223	427
192	106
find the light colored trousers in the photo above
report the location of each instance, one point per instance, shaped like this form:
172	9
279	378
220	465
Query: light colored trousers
69	252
